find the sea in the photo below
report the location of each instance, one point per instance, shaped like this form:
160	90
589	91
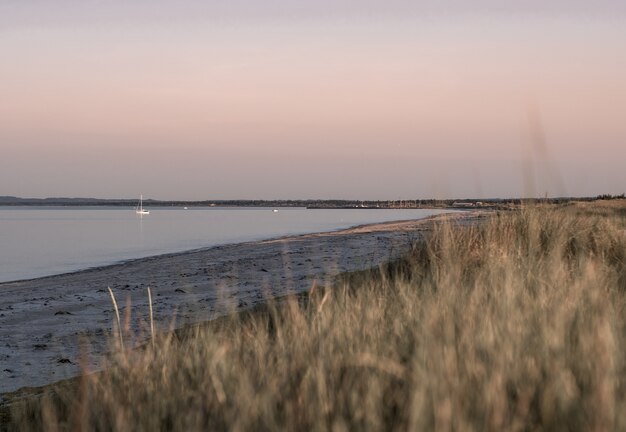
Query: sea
44	241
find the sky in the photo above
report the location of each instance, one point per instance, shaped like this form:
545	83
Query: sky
324	99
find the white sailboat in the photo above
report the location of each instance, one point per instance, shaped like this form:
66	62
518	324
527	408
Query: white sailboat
140	210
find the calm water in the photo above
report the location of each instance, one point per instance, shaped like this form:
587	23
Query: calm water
41	241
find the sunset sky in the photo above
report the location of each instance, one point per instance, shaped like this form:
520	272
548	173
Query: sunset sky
312	99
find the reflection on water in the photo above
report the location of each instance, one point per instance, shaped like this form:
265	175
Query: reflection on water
40	241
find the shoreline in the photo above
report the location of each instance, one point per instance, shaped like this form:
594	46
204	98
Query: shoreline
102	266
43	319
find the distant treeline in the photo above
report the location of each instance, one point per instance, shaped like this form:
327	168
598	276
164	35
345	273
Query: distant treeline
416	203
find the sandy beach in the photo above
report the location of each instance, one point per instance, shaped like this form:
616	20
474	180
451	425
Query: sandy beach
51	327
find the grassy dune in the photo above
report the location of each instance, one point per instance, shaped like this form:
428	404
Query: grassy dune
515	324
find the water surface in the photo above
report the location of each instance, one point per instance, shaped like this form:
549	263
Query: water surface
42	241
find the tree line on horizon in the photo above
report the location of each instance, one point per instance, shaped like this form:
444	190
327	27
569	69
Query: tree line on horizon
315	203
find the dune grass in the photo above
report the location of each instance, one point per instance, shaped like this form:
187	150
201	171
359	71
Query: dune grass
515	324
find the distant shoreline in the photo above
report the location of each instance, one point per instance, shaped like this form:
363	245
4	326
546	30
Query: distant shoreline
492	203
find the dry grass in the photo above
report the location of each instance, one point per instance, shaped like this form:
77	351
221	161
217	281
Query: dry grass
517	324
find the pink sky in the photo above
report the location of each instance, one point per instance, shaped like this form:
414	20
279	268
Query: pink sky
320	100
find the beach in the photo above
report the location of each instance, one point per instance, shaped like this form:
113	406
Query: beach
54	327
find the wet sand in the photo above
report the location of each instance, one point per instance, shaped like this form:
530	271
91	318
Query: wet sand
50	325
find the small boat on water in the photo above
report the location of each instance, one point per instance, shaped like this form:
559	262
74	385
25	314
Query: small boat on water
275	210
139	209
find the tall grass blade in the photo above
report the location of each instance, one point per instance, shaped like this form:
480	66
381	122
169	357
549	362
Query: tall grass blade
151	317
117	316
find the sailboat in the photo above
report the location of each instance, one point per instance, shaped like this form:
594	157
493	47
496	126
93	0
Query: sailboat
140	210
